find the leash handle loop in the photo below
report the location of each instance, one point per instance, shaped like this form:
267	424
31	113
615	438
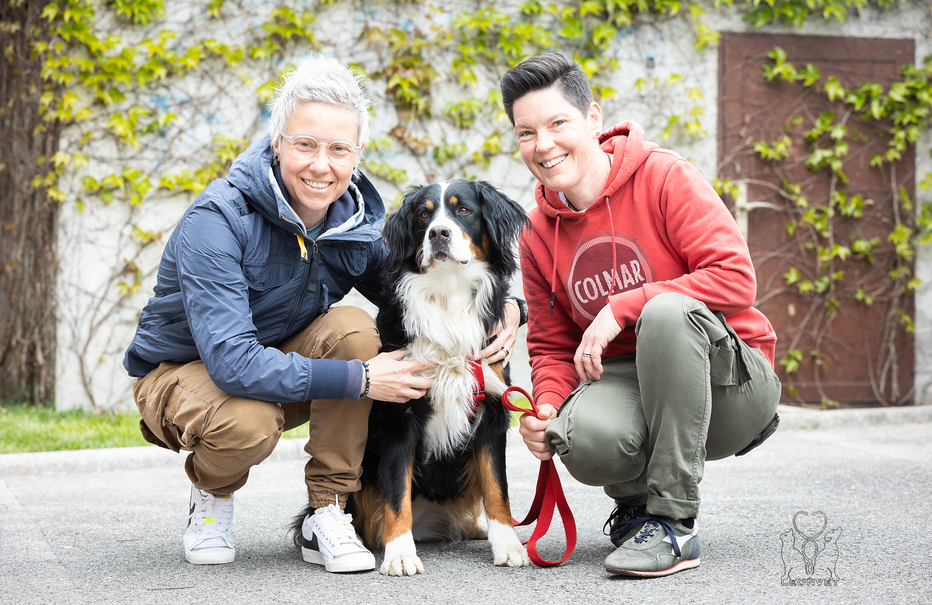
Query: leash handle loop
548	495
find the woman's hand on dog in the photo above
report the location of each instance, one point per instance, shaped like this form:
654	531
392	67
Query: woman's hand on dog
393	379
504	334
532	430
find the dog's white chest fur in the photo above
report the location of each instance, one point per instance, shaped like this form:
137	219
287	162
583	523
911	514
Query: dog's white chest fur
442	315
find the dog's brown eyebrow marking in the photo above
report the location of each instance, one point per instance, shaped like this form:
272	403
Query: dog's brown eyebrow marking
453	200
429	204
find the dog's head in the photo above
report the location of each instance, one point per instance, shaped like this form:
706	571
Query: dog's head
454	221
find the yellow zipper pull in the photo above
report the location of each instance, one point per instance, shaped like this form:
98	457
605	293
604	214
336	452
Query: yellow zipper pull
303	247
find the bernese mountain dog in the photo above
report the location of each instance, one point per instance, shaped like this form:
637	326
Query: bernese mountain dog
434	468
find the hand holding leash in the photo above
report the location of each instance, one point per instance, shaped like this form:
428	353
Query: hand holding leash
532	431
549	492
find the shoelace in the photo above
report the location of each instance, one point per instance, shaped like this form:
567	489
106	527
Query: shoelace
651	525
622	519
213	517
339	523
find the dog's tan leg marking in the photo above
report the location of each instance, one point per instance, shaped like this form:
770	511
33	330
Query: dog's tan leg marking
506	546
369	516
498	368
400	553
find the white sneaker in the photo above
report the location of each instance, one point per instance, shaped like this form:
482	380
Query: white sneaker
208	540
329	539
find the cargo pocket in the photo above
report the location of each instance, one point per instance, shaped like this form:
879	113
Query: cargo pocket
722	364
150	396
185	416
727	365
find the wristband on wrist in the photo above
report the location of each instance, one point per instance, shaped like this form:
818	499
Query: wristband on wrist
522	309
365	366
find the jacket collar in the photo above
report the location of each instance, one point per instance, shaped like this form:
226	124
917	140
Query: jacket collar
345	213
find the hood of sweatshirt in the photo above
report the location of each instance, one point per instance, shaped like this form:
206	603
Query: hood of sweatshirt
625	142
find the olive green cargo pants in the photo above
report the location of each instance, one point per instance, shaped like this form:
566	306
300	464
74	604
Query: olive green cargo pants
693	392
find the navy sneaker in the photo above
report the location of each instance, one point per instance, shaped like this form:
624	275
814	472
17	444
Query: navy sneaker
659	548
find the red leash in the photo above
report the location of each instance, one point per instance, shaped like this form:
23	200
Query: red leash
549	494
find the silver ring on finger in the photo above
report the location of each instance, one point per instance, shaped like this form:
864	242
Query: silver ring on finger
506	351
587	354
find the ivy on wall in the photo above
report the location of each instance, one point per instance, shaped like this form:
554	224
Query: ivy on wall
843	265
126	125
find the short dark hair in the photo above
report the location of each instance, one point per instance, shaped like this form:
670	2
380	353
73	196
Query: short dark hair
541	72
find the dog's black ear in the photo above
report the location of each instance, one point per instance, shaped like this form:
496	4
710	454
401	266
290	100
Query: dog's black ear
502	216
398	232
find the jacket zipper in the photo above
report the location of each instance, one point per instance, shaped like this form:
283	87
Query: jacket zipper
310	278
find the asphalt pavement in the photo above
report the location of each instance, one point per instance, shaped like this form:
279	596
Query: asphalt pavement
832	509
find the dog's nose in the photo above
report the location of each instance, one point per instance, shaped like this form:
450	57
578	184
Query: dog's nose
439	234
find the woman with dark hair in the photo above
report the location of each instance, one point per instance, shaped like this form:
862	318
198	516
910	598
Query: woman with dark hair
647	357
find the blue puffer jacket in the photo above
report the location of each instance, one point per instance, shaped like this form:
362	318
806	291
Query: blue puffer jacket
232	284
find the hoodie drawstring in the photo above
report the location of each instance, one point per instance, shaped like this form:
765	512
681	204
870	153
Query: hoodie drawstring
611	222
556	251
553	276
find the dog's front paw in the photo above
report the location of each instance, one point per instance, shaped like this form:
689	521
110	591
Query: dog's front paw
401	557
402	565
506	546
513	555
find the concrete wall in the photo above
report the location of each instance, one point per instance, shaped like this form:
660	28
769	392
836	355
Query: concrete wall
96	322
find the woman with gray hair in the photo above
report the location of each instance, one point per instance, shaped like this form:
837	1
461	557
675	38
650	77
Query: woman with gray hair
241	341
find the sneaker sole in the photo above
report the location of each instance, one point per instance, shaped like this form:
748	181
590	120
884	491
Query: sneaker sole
210	556
344	565
681	566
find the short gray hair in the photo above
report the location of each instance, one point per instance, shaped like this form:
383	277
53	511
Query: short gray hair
320	79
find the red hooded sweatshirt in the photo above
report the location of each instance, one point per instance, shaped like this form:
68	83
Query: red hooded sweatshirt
671	232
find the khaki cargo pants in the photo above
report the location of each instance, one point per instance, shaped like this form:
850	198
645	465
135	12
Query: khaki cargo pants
182	409
693	392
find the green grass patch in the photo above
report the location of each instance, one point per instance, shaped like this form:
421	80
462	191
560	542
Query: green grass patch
26	428
298	433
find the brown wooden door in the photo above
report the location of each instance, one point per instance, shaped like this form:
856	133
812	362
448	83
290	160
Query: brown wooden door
858	354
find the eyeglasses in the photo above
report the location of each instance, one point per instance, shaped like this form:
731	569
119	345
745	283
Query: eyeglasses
305	148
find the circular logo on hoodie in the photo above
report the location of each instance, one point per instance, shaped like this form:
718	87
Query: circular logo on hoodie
591	278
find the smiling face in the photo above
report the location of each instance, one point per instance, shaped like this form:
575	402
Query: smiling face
315	184
559	146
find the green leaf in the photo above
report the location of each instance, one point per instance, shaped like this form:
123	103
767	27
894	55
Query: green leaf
834	89
810	74
572	28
